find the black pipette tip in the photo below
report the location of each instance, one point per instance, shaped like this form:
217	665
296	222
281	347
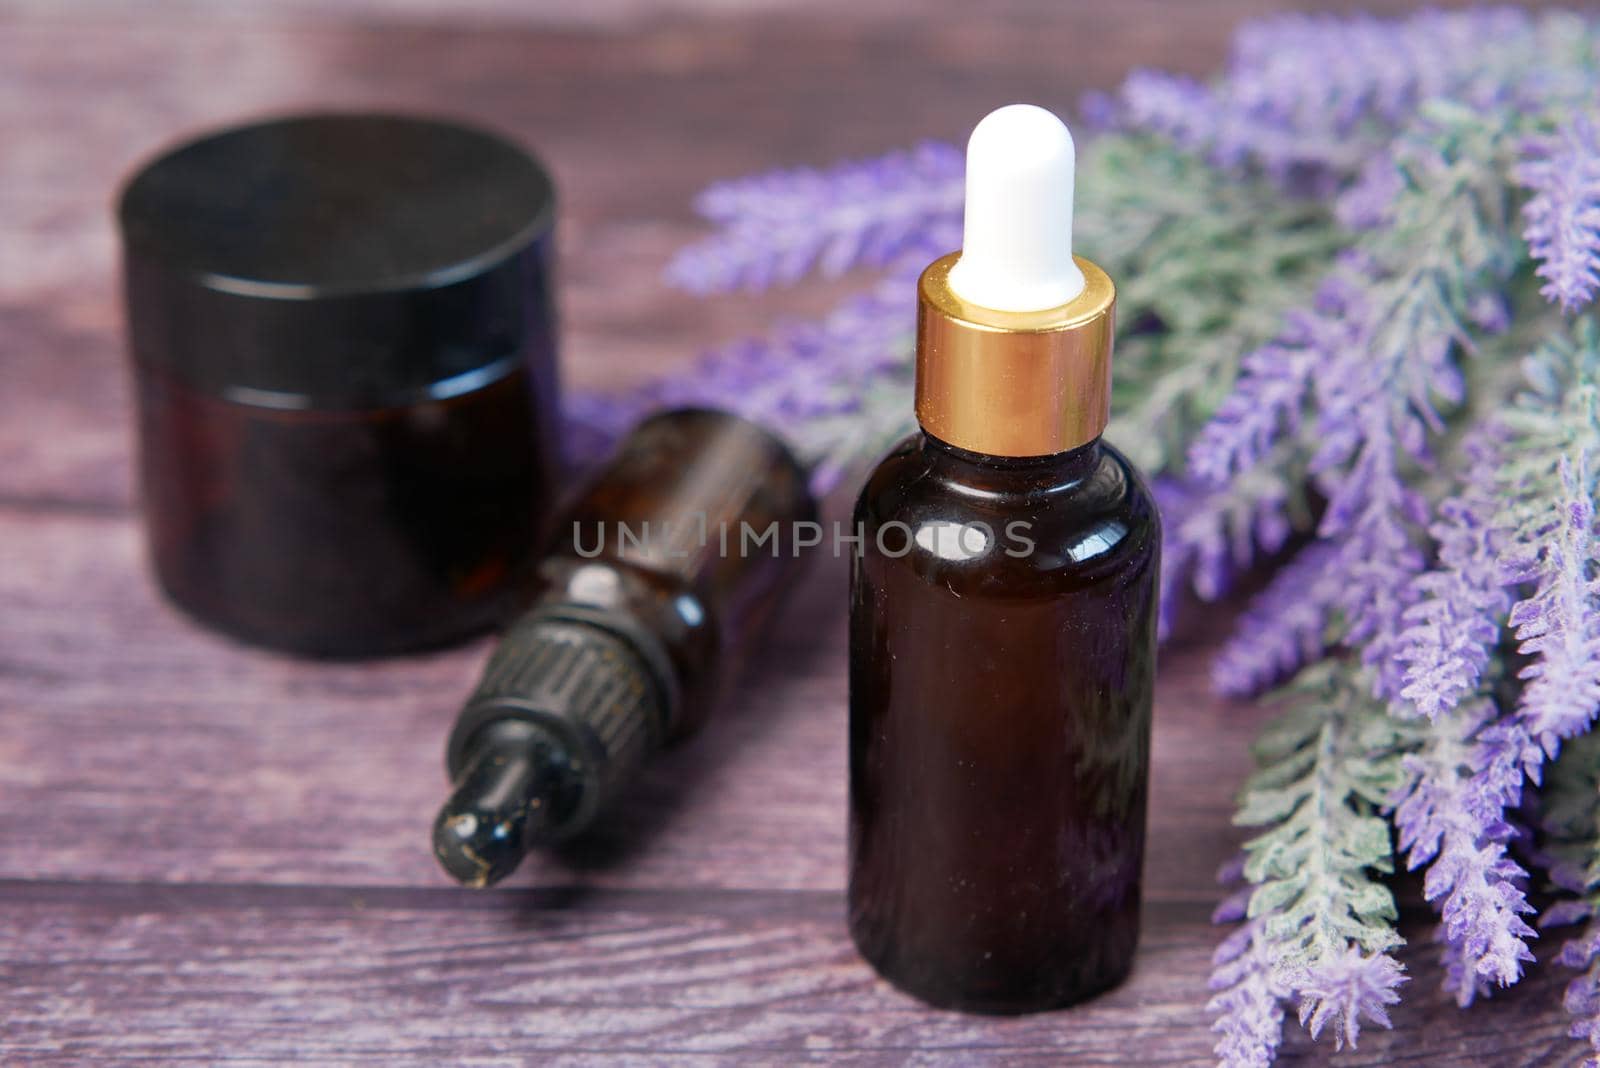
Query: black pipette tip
475	852
510	795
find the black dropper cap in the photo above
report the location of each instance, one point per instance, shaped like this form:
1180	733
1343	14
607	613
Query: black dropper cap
568	708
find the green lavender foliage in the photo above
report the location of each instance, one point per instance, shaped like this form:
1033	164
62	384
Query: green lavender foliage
1376	380
1428	354
1569	816
1453	244
1206	265
1327	767
1556	415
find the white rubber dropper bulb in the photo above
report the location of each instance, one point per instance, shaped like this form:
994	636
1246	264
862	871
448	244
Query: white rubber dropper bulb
1016	252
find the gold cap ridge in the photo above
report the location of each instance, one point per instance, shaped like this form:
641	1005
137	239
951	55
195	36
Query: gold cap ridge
1014	383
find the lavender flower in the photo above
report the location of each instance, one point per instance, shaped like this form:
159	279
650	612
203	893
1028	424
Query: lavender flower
1247	1000
1284	627
1560	624
1453	823
1368	202
1382	339
1175	106
806	371
1275	382
1563	913
775	228
1177	559
1461	979
1210	536
1344	989
1310	99
836	388
1582	998
1490	312
1250	983
1361	570
1372	515
1453	623
1505	756
1563	230
1322	921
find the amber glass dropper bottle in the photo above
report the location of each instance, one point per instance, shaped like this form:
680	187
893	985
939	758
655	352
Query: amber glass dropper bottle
1002	632
666	569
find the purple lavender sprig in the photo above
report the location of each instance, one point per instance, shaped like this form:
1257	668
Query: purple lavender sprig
775	228
1559	625
1372	518
1247	999
1285	626
1347	988
1208	537
1563	233
1276	381
1376	363
837	387
1454	622
1570	818
1309	99
1503	531
1450	819
1460	979
1320	927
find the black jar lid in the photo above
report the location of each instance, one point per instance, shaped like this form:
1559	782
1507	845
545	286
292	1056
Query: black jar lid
338	260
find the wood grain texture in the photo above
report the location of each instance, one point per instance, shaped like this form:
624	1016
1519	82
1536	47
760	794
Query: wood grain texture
510	976
212	854
290	752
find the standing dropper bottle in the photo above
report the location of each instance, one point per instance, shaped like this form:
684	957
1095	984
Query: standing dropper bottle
1002	630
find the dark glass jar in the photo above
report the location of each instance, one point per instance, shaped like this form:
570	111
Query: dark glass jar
1001	667
343	343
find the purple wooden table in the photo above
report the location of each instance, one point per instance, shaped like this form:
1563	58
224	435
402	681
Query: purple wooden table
214	854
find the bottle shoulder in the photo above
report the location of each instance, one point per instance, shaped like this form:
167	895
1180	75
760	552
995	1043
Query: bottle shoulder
1081	517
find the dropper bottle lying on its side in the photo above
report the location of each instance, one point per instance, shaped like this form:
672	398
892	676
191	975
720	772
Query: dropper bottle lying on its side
667	567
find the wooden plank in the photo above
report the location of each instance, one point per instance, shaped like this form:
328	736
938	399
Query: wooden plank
369	975
139	746
643	975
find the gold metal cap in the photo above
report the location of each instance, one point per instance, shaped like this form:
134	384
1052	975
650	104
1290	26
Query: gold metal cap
1014	383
